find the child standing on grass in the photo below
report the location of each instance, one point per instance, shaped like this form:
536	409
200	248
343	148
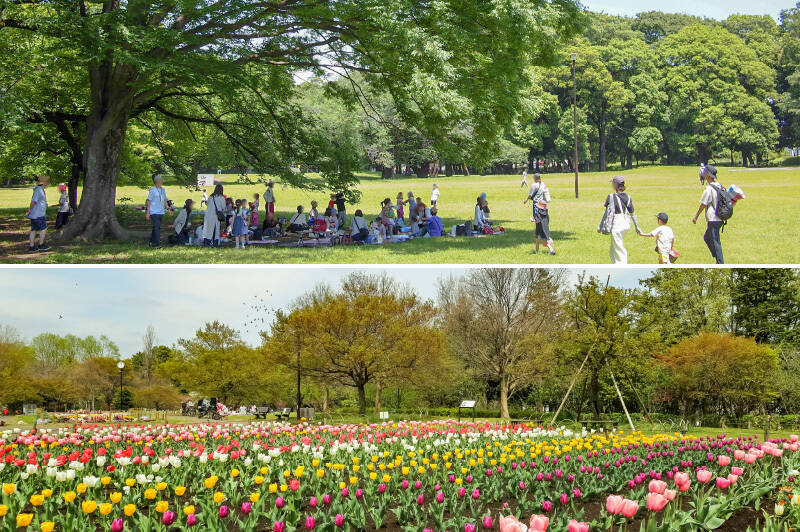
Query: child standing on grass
239	224
269	197
36	214
665	238
63	207
254	214
204	199
256	204
401	215
434	195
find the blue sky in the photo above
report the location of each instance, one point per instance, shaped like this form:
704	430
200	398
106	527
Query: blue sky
121	302
718	9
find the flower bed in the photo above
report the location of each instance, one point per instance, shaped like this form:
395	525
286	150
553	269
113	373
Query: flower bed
440	475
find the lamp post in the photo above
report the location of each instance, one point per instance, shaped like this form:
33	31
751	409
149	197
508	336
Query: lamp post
121	366
574	57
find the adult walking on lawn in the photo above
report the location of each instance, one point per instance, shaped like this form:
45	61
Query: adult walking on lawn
155	207
36	214
541	216
708	203
269	198
214	217
616	221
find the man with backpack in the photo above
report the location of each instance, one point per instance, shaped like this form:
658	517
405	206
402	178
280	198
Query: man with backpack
718	205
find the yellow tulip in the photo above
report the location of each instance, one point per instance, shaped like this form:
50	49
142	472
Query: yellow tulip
8	489
264	469
180	490
130	482
162	506
105	481
273	488
129	509
254	497
81	488
106	508
386	478
69	496
161	486
37	500
258	480
219	497
320	473
188	510
211	481
150	493
373	476
284	487
88	506
48	526
3	510
24	520
47	492
234	472
115	497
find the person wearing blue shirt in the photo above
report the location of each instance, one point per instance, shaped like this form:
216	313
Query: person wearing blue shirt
36	213
434	223
155	207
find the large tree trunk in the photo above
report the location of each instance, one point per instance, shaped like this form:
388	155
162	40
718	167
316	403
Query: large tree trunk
601	131
325	398
387	172
72	184
362	399
595	385
448	169
106	126
504	397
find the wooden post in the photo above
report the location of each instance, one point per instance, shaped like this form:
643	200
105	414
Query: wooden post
571	384
621	400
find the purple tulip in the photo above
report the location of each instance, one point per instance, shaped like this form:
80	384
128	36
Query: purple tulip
117	525
326	499
576	493
223	511
547	506
191	520
487	522
439	497
564	499
461	493
279	526
338	520
359	493
469	527
382	488
451	478
345	492
404	484
247	507
476	494
521	485
418	485
279	502
168	518
310	523
420	499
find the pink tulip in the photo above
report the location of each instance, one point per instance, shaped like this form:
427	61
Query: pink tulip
469	527
539	523
656	502
657	486
794	438
563	499
247	507
461	493
338	520
738	454
117	525
547	506
704	476
670	494
510	524
279	526
749	458
420	499
313	502
723	460
476	493
223	511
738	471
439	497
614	504
629	508
733	478
280	502
487	522
310	522
191	520
723	483
168	518
577	526
681	478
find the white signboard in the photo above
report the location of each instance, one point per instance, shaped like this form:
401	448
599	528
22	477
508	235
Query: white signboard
205	180
467	404
384	415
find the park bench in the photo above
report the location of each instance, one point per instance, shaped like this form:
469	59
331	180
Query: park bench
283	414
603	424
261	412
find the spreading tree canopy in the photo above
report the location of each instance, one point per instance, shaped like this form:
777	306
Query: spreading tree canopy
225	70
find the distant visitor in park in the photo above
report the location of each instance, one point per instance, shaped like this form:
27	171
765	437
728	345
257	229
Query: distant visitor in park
269	197
616	220
540	196
524	183
64	209
709	202
341	209
36	213
183	223
665	240
155	207
214	218
435	193
359	228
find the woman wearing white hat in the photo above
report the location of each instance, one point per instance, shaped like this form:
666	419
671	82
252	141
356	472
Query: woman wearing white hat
616	222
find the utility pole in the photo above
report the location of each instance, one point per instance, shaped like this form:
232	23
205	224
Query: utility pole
575	121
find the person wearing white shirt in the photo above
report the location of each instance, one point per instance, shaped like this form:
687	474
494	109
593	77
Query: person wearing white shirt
214	217
63	207
155	207
298	221
708	203
524	178
359	228
435	195
37	215
540	196
665	238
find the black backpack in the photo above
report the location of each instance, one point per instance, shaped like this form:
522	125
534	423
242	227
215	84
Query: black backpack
724	206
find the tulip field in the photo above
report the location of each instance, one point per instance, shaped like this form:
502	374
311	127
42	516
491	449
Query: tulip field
432	475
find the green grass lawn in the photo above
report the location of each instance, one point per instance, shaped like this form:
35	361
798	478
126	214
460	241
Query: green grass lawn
763	230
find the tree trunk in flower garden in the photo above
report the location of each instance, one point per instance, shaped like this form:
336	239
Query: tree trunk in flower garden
362	399
596	394
504	397
378	395
325	397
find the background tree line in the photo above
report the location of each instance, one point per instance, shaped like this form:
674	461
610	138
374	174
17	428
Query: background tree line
685	342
